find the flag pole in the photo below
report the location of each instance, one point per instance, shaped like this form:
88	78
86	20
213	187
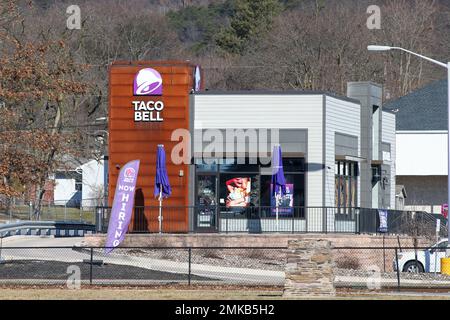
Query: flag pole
276	206
1	246
160	209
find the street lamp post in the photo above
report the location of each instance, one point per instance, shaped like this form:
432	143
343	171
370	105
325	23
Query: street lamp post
105	156
105	161
387	48
105	169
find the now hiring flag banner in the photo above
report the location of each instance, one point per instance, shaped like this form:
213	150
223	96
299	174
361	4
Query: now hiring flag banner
123	203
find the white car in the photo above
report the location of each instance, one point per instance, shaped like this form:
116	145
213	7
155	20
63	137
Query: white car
428	260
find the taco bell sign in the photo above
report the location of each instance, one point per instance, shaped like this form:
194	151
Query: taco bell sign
122	208
147	82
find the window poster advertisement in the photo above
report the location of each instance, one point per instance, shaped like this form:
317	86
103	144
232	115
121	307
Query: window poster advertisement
285	203
238	192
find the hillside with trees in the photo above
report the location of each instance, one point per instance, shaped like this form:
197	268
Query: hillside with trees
53	81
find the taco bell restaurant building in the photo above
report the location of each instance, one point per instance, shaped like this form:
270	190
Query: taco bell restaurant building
338	154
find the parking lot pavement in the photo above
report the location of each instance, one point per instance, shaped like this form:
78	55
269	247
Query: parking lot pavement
41	241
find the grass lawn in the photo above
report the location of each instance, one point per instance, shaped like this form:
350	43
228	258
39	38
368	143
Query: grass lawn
134	294
52	213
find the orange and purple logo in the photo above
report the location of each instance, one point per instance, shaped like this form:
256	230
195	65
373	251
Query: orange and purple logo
147	82
129	173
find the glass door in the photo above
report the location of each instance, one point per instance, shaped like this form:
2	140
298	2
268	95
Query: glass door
206	200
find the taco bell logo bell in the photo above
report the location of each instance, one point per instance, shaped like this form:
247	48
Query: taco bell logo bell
129	175
147	82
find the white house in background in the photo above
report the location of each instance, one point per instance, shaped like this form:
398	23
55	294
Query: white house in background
67	188
81	186
93	176
422	151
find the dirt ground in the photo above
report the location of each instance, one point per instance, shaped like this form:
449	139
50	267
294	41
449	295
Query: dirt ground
107	293
135	294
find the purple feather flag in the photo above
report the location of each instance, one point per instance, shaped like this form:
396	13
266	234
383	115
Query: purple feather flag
278	179
162	184
123	205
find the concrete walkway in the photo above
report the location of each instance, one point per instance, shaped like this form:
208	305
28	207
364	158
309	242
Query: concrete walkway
366	282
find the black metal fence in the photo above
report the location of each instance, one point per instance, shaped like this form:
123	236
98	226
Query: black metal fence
185	219
355	268
49	211
378	268
142	266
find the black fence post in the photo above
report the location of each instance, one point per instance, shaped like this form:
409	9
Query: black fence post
357	221
384	255
398	270
376	217
226	223
90	266
293	221
306	211
1	246
189	265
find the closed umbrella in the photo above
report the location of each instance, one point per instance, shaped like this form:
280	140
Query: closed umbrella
278	179
162	185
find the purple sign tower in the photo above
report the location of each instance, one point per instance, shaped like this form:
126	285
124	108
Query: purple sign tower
123	205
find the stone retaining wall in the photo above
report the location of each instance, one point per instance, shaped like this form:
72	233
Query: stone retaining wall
309	269
248	240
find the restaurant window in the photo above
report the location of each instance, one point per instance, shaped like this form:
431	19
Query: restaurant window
239	190
346	182
246	188
295	197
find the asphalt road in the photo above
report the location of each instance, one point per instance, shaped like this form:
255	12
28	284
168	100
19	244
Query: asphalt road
227	275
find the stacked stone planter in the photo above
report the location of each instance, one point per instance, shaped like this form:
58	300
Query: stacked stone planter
309	269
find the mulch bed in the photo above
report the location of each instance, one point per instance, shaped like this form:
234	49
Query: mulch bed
56	270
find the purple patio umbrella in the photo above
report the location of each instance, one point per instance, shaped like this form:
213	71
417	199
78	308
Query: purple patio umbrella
162	185
278	179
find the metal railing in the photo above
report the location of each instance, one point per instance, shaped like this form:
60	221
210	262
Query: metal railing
46	228
357	268
184	219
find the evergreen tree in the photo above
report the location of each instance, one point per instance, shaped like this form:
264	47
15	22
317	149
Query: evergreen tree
249	20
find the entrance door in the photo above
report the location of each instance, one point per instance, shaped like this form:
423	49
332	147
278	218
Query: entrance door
206	203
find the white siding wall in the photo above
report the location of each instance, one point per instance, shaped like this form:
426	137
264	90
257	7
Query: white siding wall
269	111
422	153
64	191
93	183
342	117
388	136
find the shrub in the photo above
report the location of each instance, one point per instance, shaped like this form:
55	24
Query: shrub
344	262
